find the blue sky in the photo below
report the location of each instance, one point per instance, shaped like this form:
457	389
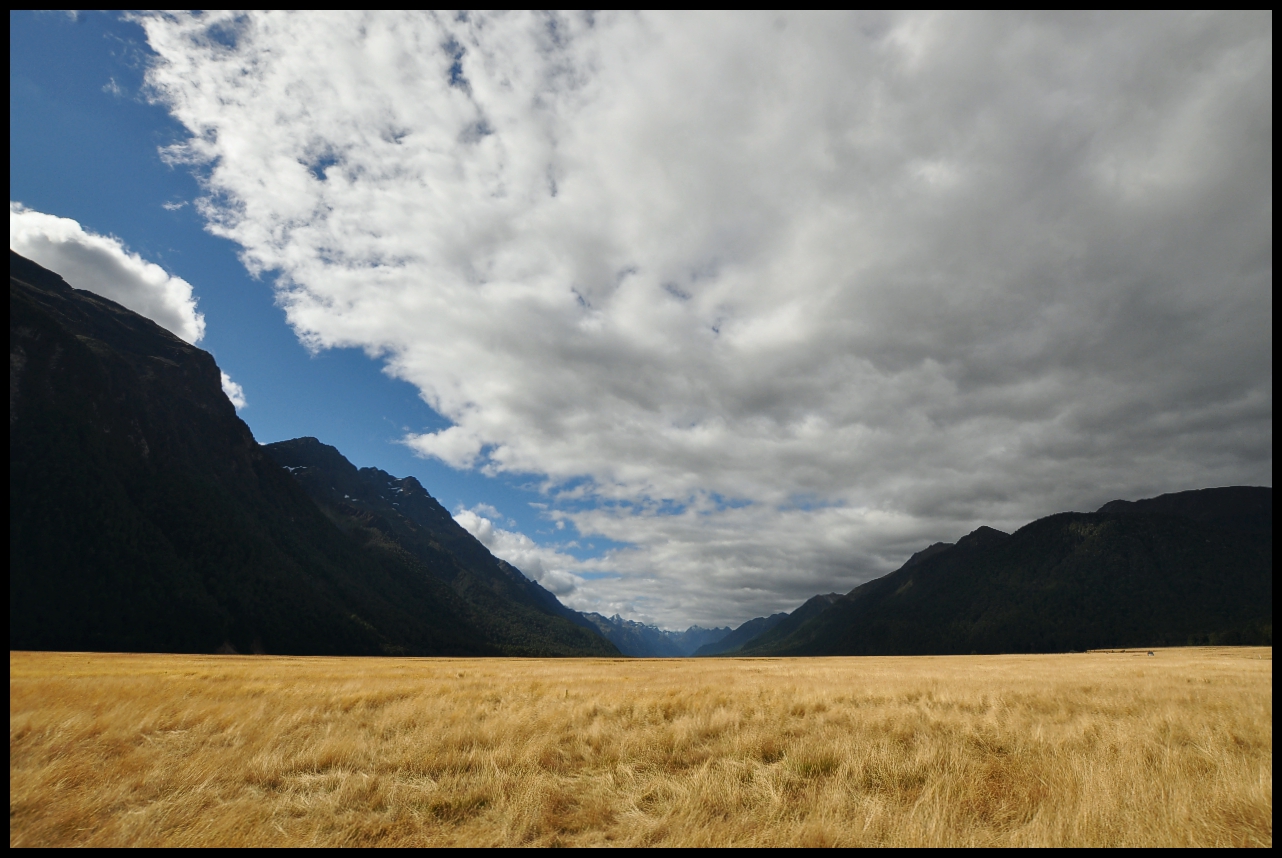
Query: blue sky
691	316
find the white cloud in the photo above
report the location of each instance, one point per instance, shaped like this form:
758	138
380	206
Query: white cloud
455	446
103	265
234	391
551	568
782	297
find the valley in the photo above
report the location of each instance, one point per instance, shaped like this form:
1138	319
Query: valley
648	429
1091	749
145	517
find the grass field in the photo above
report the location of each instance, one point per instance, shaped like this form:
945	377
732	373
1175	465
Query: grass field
1111	749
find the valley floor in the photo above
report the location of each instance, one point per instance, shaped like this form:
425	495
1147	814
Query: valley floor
1111	749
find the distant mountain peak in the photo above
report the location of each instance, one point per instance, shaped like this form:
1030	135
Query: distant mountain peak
643	640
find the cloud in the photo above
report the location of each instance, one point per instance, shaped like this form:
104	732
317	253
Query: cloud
455	445
103	265
551	568
772	299
234	391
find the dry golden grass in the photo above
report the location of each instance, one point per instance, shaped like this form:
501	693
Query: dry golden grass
1106	749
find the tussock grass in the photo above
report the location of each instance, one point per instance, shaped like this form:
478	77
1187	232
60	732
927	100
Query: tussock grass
1112	749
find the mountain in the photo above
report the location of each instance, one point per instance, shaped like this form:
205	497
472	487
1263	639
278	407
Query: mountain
811	608
1187	568
1248	509
694	638
143	516
644	641
398	515
740	636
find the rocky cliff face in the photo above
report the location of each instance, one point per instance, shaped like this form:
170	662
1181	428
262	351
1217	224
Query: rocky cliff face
143	516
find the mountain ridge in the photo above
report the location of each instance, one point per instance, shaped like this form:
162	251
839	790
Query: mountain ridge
640	640
515	611
1132	574
788	625
143	515
743	633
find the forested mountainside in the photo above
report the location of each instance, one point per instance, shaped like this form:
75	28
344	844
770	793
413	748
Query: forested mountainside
397	515
789	623
1187	568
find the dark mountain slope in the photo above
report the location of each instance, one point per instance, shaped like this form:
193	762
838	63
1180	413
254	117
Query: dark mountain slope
1248	509
144	517
740	636
1120	577
516	614
813	607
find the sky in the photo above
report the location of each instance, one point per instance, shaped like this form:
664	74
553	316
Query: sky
689	316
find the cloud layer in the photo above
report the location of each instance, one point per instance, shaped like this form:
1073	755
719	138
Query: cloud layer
103	265
772	299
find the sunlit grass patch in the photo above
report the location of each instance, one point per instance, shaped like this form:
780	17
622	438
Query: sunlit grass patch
1107	749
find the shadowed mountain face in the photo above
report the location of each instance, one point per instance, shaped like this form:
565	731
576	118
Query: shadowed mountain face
144	517
1189	568
1246	509
398	515
753	628
813	607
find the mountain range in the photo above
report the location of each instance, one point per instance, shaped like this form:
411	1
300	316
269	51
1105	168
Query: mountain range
143	516
640	640
768	628
397	516
1191	567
